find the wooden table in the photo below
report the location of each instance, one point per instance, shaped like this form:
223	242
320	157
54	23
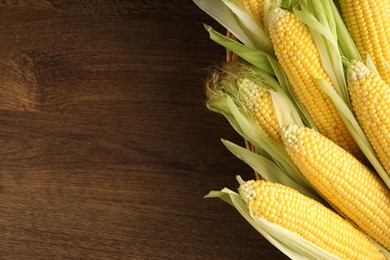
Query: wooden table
106	147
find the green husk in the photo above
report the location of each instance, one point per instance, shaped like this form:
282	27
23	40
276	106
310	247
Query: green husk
292	245
256	57
233	16
270	171
244	124
224	98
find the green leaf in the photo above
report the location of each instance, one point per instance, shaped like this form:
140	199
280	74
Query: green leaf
272	172
221	13
251	24
256	57
233	15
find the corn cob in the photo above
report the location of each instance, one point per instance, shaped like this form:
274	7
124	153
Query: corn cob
308	218
249	90
342	180
368	22
300	59
258	100
370	99
256	8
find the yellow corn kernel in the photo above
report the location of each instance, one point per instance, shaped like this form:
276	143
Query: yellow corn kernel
256	8
300	59
342	180
258	100
370	99
308	218
368	22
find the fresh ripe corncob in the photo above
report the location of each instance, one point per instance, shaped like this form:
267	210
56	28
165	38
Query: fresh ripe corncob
297	53
255	7
258	101
368	22
370	99
308	218
342	180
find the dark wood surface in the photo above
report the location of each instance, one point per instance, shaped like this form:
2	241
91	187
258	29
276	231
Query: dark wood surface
106	147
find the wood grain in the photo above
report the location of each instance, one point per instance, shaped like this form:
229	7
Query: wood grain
106	148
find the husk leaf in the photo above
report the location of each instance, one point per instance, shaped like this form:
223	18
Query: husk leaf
291	244
235	18
272	172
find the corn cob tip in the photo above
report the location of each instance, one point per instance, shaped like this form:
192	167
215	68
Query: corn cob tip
255	96
356	71
246	190
289	134
249	91
275	15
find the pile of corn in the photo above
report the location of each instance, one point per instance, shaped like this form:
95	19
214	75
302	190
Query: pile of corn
310	93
